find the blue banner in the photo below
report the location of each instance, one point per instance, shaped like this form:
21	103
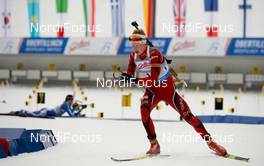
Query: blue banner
246	46
160	43
43	45
231	119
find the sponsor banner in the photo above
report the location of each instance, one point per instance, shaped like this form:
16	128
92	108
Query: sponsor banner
246	47
92	46
43	45
197	47
9	45
161	43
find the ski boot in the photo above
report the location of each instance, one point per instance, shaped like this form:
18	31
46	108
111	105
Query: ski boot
218	149
154	148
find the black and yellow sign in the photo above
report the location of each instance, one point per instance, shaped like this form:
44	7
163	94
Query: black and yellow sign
41	98
219	101
126	100
231	110
100	114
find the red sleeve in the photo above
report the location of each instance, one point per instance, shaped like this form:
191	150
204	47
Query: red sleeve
156	61
131	65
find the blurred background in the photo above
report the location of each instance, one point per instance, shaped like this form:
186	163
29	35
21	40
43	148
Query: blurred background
217	47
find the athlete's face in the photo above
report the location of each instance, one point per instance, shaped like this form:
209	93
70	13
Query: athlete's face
139	48
70	102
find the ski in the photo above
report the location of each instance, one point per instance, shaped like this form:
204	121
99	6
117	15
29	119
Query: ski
234	157
80	116
145	156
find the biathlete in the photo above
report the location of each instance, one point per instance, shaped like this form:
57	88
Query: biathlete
72	109
154	74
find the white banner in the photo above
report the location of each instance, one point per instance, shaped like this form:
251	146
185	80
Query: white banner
198	47
93	46
6	17
9	45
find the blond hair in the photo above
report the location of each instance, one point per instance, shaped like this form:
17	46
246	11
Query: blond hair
138	32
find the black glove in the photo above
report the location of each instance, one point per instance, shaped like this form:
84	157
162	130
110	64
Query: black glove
127	78
75	105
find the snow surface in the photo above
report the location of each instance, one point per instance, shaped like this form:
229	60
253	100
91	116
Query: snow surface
103	139
92	142
109	100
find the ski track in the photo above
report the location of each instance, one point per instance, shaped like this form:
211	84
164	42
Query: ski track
126	139
122	139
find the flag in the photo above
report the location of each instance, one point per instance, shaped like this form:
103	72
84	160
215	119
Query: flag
62	9
245	7
150	14
89	16
211	11
179	12
118	17
33	17
5	9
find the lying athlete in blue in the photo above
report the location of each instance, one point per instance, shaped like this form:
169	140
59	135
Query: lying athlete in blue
66	107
